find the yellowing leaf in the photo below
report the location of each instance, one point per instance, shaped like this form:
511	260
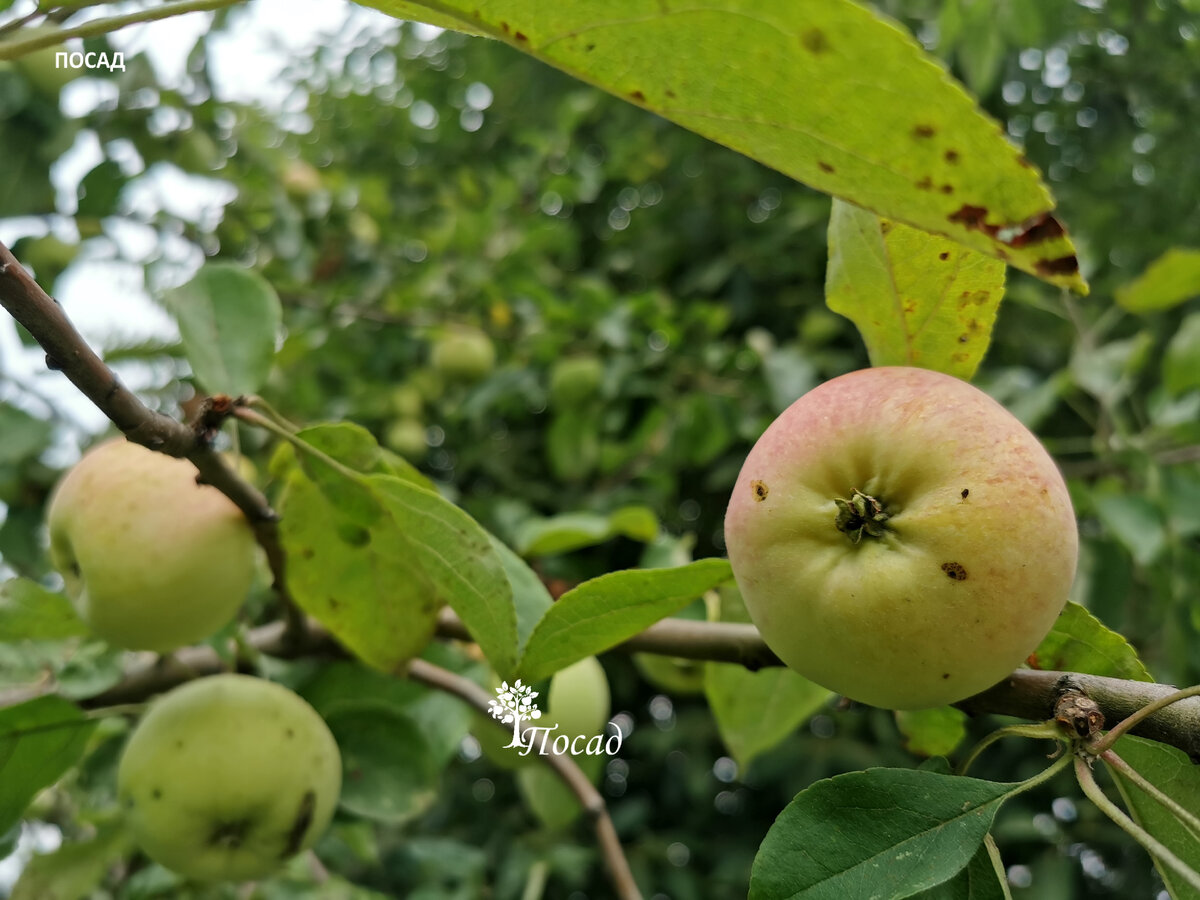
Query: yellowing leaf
1167	282
917	299
825	91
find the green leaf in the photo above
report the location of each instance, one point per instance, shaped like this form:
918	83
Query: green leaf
39	741
228	318
911	830
754	711
374	556
24	435
1079	642
1173	773
601	613
574	531
889	130
982	879
388	773
75	870
100	188
530	597
460	561
1136	522
358	582
30	612
1181	364
917	299
932	732
1168	281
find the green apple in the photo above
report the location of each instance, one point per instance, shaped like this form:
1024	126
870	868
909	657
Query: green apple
406	401
672	674
227	777
151	560
578	700
901	538
463	354
575	380
407	437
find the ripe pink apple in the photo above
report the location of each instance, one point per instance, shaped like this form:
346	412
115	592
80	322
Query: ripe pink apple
901	538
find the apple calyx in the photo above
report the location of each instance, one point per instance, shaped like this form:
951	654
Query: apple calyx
861	514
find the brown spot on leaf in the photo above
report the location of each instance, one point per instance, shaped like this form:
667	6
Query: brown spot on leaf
520	36
947	189
924	131
970	216
760	490
954	571
824	166
670	93
589	48
1024	162
944	255
964	338
1042	228
1064	265
504	27
951	156
925	184
638	96
910	307
884	226
813	40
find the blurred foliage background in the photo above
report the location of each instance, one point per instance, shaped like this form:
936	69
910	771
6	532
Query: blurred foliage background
555	303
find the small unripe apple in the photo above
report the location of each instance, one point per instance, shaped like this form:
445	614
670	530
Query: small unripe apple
901	538
575	380
151	560
227	777
407	437
578	699
463	354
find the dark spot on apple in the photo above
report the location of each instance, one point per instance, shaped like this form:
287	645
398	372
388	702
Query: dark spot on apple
825	167
954	571
924	131
178	743
945	675
966	492
589	48
951	156
229	835
304	817
1064	265
289	732
813	40
308	553
760	490
944	255
156	793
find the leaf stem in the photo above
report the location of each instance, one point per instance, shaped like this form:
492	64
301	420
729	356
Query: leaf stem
1042	730
1188	819
13	49
256	402
1087	781
250	417
1099	746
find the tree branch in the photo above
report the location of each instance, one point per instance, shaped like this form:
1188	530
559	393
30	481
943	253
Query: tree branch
564	767
67	351
1026	693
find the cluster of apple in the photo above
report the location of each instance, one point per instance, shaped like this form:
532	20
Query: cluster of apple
224	777
897	535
